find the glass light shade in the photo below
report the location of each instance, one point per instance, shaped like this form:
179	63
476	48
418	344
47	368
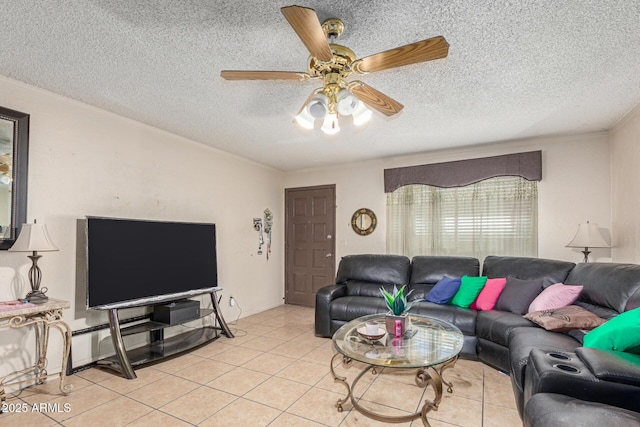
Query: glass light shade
330	125
361	115
317	107
347	103
588	236
305	119
33	238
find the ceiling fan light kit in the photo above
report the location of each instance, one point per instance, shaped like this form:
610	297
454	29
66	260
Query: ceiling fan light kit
347	103
305	119
317	108
330	125
361	115
330	107
333	64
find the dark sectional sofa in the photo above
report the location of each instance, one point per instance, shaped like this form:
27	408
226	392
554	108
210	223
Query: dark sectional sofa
548	370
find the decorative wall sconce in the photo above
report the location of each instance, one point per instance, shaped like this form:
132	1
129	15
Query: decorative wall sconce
268	225
257	225
264	228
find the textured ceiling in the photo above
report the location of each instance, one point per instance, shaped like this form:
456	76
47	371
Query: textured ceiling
515	69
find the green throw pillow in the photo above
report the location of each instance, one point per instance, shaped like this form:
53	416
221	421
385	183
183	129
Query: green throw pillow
470	287
622	333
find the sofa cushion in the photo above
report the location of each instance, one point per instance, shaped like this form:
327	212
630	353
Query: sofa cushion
375	269
555	296
350	307
444	290
426	271
550	271
359	288
463	318
615	286
430	269
518	294
622	333
496	326
565	318
600	311
470	288
489	294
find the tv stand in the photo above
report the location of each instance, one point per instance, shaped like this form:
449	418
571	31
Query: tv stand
159	347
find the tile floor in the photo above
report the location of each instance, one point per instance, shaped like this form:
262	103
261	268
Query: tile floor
274	373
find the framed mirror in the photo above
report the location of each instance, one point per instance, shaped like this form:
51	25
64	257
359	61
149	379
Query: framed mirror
14	160
364	221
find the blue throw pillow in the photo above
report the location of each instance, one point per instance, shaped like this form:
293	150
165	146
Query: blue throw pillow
444	290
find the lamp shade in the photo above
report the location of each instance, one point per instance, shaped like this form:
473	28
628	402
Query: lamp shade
588	236
33	238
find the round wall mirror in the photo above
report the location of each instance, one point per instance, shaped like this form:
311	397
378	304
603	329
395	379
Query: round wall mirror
364	221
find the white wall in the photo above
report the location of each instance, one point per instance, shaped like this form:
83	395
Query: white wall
575	187
625	182
85	161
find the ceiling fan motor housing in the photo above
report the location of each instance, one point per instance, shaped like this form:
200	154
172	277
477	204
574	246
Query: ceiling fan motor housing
340	62
333	28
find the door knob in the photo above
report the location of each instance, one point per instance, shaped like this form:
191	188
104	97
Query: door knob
328	255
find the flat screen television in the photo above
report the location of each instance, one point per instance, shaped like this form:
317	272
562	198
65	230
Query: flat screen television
137	262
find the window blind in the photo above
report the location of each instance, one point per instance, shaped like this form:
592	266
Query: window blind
497	216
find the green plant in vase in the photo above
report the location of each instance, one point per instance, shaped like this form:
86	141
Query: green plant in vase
398	307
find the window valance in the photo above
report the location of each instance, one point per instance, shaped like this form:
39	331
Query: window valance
464	172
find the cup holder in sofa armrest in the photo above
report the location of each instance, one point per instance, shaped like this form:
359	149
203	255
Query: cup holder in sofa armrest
559	356
567	368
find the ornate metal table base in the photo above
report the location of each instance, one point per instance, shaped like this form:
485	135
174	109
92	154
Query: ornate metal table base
42	319
429	376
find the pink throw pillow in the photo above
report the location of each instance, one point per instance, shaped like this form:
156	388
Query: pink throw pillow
555	296
489	294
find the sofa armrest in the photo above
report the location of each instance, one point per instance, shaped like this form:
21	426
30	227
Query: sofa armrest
567	373
324	296
614	366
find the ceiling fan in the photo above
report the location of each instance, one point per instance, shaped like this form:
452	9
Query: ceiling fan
334	64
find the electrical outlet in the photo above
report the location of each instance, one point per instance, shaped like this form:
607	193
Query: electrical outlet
232	301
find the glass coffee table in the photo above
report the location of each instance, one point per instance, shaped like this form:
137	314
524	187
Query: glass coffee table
429	345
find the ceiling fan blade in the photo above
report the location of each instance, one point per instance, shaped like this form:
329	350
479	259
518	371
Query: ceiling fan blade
375	99
425	50
263	75
306	24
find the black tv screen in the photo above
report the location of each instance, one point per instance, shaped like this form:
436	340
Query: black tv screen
136	262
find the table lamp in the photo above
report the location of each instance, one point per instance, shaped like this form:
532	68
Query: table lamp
34	238
588	236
